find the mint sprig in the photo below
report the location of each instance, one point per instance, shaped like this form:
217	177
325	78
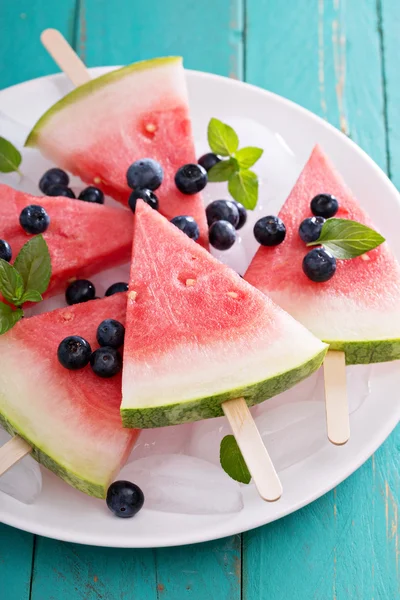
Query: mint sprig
242	183
232	460
10	157
24	281
347	239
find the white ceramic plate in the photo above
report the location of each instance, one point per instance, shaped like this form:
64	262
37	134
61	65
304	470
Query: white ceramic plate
62	512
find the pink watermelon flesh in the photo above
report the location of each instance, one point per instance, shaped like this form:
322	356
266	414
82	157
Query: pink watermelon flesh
71	418
101	128
197	334
358	310
83	238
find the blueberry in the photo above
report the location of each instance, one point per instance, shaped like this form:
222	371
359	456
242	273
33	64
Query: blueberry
209	160
116	288
74	352
60	190
222	210
145	173
222	235
34	219
319	265
92	194
310	229
106	361
191	179
79	291
111	333
5	250
188	225
242	215
147	195
324	205
124	499
269	231
53	177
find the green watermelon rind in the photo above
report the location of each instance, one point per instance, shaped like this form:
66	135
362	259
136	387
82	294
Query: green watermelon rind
95	84
209	407
367	351
90	488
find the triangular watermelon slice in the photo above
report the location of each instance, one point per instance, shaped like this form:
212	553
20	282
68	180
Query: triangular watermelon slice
71	418
358	310
102	127
197	334
83	238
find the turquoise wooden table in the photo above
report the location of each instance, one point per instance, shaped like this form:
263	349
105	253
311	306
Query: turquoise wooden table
340	60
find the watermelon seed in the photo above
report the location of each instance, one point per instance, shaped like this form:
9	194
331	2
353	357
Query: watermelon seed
233	294
190	282
97	180
132	295
150	127
365	257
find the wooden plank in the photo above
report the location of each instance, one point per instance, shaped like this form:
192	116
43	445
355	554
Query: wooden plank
327	57
208	571
16	551
344	545
208	34
389	28
72	572
21	54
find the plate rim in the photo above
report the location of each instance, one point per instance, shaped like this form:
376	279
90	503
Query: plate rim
185	538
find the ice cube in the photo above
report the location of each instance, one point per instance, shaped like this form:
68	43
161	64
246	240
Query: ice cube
206	439
292	432
177	483
24	480
163	440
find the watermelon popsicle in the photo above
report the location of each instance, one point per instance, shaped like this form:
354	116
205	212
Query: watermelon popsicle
69	419
135	112
83	238
356	312
198	336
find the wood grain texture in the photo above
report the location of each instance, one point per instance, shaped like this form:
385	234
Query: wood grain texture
22	21
16	551
389	28
72	572
208	34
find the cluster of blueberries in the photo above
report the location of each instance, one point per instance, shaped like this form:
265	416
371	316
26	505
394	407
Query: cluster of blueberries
318	264
74	352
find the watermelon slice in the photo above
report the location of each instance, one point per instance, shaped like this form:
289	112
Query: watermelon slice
102	127
358	310
197	334
70	418
83	238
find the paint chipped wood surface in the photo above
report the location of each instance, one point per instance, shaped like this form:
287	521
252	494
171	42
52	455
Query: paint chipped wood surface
339	59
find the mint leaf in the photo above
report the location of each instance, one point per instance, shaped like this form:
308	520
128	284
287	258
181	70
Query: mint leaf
243	187
248	156
223	170
10	157
34	264
31	296
222	139
347	239
232	460
11	283
8	317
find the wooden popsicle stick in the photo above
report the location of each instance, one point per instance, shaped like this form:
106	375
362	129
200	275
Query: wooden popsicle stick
12	452
62	53
252	447
337	410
